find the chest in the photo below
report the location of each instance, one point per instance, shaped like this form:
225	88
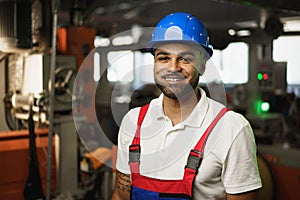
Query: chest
164	150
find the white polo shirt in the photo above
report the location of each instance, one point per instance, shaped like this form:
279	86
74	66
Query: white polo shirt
229	164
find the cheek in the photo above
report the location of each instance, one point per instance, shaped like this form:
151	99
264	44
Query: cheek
196	73
157	68
202	69
201	65
196	70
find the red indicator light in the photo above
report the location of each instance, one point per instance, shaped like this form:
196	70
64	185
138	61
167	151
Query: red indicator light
265	76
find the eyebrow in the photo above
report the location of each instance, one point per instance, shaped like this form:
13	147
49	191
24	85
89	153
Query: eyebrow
162	53
185	53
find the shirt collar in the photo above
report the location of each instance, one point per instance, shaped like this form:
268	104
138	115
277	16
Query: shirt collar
157	108
196	117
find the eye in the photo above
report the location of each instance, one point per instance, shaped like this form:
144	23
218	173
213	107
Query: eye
163	58
185	60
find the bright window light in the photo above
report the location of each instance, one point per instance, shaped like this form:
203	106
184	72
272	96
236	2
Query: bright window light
231	63
144	62
96	66
122	40
101	42
120	66
33	75
286	49
291	24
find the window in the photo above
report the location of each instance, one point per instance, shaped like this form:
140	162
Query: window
96	66
144	63
120	66
286	49
129	66
229	65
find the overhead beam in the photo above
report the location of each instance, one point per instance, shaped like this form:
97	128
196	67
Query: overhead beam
286	6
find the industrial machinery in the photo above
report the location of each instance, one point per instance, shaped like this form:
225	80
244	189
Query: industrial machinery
270	82
35	90
25	44
26	53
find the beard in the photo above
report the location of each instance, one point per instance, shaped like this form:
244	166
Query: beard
177	91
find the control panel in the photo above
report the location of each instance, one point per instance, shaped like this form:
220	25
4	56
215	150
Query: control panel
271	76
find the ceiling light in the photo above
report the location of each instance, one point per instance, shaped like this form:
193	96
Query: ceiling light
231	32
122	40
247	24
101	42
243	33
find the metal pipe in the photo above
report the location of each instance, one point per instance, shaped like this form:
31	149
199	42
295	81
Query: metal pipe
52	98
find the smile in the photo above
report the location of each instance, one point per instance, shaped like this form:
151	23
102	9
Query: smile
173	78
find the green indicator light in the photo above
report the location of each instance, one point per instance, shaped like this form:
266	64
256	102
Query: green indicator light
260	76
265	106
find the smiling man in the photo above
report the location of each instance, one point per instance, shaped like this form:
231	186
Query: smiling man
177	69
184	145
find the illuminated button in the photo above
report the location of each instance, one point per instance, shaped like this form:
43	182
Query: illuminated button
265	106
259	76
265	76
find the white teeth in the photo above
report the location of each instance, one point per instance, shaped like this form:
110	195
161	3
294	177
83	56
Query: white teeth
171	79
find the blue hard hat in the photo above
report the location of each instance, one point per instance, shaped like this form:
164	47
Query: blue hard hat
180	27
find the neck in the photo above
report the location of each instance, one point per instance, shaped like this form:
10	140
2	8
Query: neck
179	109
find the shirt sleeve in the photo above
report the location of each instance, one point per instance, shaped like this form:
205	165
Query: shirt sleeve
125	136
240	171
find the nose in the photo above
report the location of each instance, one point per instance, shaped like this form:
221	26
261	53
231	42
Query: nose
174	65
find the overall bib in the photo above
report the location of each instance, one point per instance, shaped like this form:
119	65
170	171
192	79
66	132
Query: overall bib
147	188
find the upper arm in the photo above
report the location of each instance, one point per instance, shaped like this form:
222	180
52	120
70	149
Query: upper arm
122	186
240	171
252	195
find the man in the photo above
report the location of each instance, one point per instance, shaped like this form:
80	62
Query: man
184	145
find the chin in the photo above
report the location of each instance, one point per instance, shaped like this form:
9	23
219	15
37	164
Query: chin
175	93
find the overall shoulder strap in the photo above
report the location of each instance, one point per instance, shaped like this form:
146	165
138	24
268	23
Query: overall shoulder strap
202	142
135	148
141	117
196	154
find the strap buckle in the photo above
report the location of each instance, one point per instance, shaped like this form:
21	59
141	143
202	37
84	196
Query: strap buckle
134	153
194	160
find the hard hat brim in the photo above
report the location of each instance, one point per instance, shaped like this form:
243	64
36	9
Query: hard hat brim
152	45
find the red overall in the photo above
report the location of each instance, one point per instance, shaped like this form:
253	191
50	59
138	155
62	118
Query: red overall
150	188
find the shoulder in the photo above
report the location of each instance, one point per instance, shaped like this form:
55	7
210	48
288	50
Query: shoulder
236	126
129	121
232	119
232	127
236	120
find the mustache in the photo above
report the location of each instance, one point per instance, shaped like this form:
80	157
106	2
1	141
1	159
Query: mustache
173	75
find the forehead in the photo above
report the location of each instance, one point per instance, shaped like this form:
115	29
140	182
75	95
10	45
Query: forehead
177	48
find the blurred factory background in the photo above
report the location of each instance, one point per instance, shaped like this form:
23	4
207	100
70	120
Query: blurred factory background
71	69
